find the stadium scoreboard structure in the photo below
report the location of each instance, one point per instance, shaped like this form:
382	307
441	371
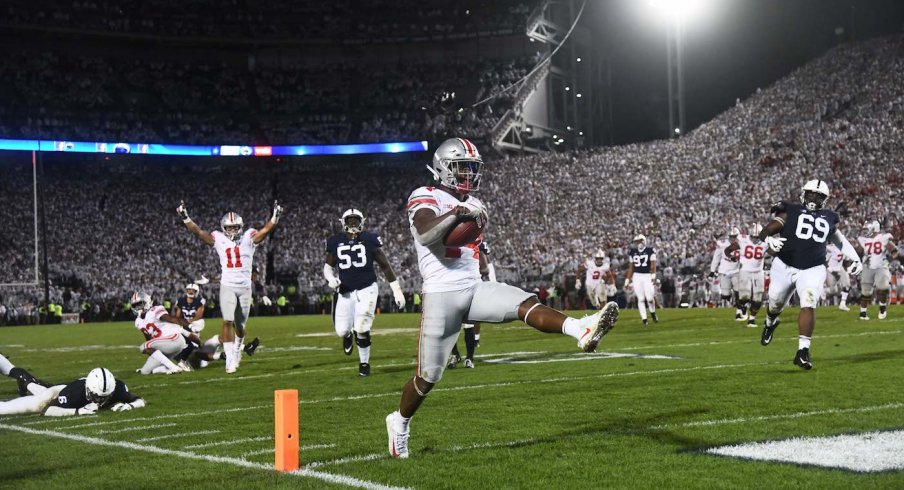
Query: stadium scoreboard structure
208	150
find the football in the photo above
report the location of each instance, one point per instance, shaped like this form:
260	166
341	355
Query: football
465	232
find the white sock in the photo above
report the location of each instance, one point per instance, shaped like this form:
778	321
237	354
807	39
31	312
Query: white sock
862	309
160	370
239	344
402	424
573	327
217	356
803	342
162	359
229	350
5	365
642	306
477	337
652	308
203	363
364	354
844	298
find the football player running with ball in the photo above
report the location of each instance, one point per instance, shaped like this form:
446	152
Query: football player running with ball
353	253
236	251
797	236
452	290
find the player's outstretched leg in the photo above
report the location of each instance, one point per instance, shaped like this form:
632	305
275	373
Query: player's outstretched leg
588	330
772	322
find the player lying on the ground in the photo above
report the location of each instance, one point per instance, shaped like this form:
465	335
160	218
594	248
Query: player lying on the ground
85	396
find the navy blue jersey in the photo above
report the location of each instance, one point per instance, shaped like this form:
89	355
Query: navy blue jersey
190	309
74	395
354	259
807	233
642	259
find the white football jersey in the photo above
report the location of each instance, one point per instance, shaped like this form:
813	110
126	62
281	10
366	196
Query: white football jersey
236	258
834	258
152	326
443	268
725	265
595	273
751	254
874	249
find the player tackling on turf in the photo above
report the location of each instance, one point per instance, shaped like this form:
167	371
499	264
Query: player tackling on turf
452	290
797	235
236	252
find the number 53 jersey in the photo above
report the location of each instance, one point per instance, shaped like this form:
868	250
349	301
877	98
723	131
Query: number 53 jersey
354	259
807	233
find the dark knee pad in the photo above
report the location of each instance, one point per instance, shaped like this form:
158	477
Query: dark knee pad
362	339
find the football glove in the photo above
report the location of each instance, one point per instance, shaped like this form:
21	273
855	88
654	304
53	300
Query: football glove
471	210
577	285
89	409
121	407
775	244
855	268
397	294
627	285
183	212
197	326
277	212
333	283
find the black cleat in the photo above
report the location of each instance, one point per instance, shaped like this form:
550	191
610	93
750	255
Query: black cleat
751	322
23	379
655	318
645	321
348	344
363	369
767	332
802	359
252	346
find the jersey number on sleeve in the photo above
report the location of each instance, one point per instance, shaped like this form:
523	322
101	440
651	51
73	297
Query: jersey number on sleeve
806	224
238	258
347	261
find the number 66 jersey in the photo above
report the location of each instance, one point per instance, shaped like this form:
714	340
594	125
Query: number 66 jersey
807	233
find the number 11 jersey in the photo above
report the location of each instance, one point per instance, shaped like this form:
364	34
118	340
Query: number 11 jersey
354	259
236	258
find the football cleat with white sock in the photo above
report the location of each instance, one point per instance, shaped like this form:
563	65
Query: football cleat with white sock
398	441
597	325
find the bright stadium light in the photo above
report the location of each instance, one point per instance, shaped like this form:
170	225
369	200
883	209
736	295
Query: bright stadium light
680	10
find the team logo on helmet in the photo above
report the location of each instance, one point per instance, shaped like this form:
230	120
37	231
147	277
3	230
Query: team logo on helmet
813	194
352	221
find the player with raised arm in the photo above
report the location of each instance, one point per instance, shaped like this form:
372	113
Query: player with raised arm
797	236
876	248
85	396
447	223
236	252
838	280
640	275
750	252
353	253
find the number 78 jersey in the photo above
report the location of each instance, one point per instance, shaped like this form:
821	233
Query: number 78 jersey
236	258
875	249
807	233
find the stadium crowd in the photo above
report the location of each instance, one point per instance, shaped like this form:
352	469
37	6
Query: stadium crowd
312	22
840	117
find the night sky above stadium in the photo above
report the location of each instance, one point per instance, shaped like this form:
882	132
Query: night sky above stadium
730	51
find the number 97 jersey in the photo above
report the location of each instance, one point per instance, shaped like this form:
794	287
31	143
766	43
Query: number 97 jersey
807	233
354	259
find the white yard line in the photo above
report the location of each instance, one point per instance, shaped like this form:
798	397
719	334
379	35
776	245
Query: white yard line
179	434
271	450
229	443
133	429
304	472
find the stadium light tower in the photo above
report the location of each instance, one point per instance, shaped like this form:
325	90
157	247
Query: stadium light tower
676	14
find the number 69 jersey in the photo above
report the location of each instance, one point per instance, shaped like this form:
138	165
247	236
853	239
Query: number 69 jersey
236	258
354	259
807	233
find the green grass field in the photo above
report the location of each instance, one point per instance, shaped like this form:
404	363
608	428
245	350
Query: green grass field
535	413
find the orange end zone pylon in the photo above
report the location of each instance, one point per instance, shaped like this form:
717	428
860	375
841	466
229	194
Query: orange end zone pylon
286	435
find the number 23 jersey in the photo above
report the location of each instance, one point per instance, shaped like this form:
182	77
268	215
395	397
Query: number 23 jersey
807	233
354	259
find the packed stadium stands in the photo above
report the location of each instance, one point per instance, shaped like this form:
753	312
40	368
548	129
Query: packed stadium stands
112	225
